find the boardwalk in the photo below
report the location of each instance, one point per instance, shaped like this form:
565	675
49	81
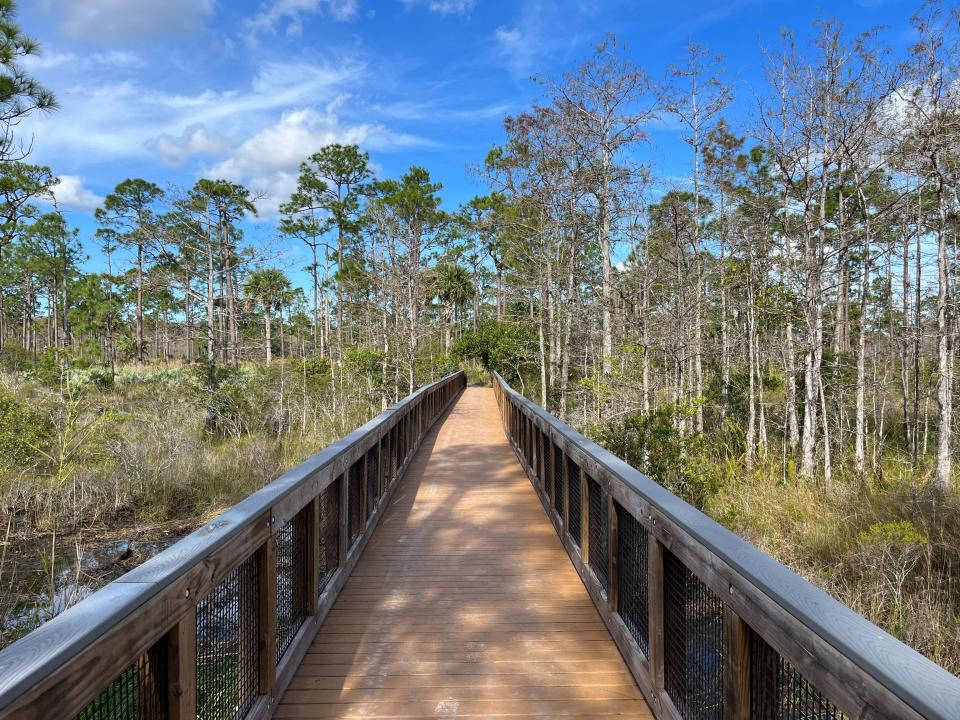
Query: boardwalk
464	604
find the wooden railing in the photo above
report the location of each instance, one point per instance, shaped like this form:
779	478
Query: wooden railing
710	626
216	625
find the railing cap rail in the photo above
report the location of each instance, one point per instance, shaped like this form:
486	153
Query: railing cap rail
922	684
26	662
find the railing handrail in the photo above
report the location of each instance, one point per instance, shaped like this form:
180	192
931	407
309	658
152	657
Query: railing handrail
28	661
924	686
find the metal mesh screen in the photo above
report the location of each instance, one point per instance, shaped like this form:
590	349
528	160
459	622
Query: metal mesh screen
779	692
228	641
693	643
373	479
355	499
632	565
329	554
599	532
139	693
558	480
292	572
574	519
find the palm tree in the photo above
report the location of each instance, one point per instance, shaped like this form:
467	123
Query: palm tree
452	285
268	287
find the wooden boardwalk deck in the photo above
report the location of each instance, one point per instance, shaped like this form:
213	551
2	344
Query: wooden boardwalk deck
464	603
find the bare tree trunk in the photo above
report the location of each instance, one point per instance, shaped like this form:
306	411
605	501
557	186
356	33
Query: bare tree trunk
944	350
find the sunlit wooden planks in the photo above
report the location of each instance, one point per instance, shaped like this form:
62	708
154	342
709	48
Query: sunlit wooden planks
464	603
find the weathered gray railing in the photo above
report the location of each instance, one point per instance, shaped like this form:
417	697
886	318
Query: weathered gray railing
710	626
216	625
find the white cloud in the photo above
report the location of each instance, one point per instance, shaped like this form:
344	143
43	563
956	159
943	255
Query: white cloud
125	21
111	59
508	37
72	194
126	119
444	7
195	140
273	14
269	160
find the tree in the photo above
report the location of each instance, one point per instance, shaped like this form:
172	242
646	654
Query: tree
131	210
413	206
601	104
20	94
331	181
210	212
270	288
697	106
20	184
50	252
452	284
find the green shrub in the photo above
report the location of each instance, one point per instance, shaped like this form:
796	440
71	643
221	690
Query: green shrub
23	432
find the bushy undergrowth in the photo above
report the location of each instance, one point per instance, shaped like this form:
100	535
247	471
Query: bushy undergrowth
887	545
81	448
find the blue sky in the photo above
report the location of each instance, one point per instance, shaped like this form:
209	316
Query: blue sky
172	90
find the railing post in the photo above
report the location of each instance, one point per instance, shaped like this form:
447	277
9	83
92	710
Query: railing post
344	508
565	520
584	517
267	585
736	673
655	606
313	551
542	469
182	667
613	555
364	500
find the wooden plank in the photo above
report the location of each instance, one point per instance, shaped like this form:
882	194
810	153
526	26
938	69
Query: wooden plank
464	599
655	608
313	551
267	604
736	672
182	667
861	668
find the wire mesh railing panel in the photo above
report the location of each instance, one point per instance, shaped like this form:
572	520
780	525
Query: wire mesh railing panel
228	641
599	532
558	480
779	692
373	479
633	603
139	693
329	555
292	580
574	508
355	499
693	643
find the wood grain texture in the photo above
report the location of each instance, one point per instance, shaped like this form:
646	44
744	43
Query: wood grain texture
464	602
864	670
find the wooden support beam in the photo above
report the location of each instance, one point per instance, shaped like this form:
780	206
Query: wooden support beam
312	511
613	560
182	667
267	587
584	517
655	607
736	671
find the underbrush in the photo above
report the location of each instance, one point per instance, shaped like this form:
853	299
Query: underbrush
887	544
86	454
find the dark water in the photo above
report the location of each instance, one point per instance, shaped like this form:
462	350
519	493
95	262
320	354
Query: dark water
37	584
